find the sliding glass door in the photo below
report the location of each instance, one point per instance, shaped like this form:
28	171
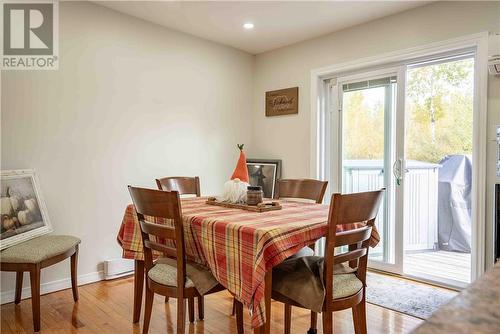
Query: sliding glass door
367	106
438	172
409	129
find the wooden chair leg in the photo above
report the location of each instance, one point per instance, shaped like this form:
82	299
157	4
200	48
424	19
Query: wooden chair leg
201	307
35	296
238	309
138	287
233	312
288	318
327	322
74	274
359	317
19	286
191	309
148	307
314	323
181	315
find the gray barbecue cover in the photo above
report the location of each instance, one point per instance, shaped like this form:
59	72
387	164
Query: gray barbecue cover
454	203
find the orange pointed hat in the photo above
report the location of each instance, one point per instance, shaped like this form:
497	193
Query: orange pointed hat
241	171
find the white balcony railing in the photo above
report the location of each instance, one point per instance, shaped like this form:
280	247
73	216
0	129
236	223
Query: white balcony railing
420	200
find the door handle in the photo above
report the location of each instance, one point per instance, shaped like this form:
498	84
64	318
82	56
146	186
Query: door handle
397	171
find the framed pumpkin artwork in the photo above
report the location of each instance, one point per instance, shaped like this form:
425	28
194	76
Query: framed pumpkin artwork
23	211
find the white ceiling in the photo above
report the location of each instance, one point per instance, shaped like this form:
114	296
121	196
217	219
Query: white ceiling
276	23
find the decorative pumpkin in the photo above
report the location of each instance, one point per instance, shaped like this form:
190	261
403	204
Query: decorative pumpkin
31	205
6	206
14	201
24	217
7	222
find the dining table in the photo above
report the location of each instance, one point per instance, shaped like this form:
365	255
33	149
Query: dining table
240	247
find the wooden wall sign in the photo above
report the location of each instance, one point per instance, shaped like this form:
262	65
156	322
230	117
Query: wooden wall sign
282	102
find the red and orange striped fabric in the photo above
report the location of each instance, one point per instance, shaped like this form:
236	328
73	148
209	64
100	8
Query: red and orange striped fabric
239	246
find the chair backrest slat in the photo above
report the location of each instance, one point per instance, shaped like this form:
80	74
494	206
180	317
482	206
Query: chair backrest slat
352	236
155	203
301	188
357	207
164	205
344	210
349	256
160	231
182	184
166	250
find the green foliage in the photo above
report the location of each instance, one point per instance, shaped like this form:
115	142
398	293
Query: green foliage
363	127
439	106
439	113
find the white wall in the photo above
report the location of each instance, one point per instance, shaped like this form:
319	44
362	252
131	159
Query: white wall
130	102
288	137
133	101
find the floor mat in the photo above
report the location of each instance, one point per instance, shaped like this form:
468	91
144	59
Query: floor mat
412	298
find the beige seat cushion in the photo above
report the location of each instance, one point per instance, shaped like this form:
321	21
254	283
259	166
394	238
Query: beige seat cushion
345	285
164	272
301	280
38	249
167	275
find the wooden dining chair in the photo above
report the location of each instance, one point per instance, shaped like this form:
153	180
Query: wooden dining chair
344	289
185	186
311	189
182	184
308	189
165	277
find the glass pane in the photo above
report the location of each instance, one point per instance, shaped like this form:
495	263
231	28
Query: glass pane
364	119
438	179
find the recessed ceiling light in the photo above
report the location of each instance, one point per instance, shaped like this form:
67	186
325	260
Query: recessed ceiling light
248	25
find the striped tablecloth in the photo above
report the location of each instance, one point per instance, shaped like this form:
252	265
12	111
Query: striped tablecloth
239	246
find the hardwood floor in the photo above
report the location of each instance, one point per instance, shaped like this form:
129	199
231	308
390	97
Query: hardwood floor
106	307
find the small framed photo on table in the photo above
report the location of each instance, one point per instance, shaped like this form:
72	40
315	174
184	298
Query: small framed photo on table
23	212
264	173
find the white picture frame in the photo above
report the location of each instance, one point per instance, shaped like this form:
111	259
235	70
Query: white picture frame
23	213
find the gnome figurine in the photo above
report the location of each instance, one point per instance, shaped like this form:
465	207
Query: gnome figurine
235	190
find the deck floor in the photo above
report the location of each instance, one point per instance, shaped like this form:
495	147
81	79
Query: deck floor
440	264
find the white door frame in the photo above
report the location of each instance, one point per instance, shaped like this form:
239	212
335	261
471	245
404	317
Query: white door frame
322	140
391	147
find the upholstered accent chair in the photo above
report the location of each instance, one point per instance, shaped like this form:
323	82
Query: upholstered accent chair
34	255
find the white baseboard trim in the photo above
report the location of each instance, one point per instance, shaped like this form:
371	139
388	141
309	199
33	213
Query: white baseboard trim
9	296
